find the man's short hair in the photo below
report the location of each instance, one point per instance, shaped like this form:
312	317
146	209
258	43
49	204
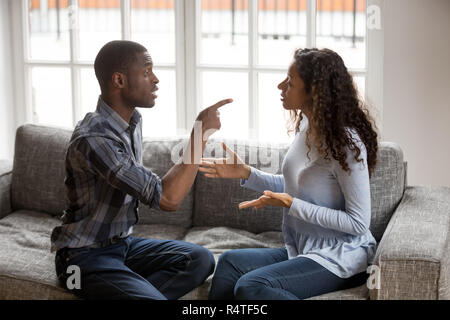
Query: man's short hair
115	56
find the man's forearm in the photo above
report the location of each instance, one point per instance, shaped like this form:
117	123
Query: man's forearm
179	179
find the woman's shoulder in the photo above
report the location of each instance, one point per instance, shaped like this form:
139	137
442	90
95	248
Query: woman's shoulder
354	136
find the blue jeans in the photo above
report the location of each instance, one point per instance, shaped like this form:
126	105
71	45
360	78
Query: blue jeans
268	274
137	268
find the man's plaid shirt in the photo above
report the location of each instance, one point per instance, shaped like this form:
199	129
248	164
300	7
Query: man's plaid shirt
105	180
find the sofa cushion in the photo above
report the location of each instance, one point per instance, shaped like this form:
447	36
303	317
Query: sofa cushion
157	156
27	267
5	187
159	231
39	171
356	293
221	239
414	254
387	185
216	200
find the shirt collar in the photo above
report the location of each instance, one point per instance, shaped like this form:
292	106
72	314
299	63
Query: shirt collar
114	119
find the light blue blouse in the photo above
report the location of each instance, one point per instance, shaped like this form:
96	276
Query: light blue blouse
329	219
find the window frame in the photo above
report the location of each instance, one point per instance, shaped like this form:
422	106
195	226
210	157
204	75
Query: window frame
187	66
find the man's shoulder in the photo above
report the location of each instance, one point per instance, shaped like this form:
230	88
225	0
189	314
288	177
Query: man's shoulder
93	125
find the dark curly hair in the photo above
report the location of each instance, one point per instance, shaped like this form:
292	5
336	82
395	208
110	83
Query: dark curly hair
335	106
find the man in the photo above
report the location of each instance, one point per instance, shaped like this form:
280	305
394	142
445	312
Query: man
105	180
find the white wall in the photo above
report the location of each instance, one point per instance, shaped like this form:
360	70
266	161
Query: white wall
416	98
7	121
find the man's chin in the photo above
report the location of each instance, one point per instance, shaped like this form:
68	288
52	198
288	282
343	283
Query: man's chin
146	105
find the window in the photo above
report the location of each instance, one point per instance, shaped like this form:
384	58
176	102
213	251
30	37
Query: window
204	51
256	40
62	39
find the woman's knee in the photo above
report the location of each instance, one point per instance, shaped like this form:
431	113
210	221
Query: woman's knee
249	286
231	260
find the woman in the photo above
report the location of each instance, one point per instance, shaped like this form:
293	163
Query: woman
326	200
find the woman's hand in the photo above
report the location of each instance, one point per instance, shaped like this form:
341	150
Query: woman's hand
231	167
269	198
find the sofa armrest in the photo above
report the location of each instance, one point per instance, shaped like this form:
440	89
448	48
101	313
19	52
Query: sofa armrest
5	187
413	257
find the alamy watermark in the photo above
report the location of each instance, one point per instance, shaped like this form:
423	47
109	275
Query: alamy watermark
374	279
373	17
267	155
74	280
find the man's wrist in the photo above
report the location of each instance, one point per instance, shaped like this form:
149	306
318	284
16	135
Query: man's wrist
246	171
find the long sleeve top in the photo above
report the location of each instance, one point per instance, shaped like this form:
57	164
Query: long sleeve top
329	218
105	180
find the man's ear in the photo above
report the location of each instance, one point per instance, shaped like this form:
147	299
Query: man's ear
119	80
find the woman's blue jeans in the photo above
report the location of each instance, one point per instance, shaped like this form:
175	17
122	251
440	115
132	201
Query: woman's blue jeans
136	268
268	274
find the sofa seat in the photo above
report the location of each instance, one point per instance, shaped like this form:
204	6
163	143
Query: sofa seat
27	265
221	239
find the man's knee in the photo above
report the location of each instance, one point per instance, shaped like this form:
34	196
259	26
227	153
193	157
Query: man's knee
202	264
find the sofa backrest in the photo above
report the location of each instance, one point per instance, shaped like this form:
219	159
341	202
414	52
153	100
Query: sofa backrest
38	169
216	200
39	172
387	185
157	155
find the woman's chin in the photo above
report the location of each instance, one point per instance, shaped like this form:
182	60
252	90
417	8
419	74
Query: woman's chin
286	106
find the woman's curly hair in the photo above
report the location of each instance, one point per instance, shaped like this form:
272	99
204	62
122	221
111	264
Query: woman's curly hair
335	106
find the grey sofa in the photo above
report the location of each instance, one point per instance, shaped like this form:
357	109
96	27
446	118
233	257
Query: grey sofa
411	223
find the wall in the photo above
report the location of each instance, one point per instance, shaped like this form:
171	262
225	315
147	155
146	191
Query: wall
7	121
416	98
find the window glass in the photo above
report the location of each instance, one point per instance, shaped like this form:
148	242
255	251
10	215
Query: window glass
52	96
281	30
234	116
48	27
153	26
224	32
341	27
99	21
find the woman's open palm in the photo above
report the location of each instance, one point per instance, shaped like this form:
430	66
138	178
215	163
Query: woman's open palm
231	167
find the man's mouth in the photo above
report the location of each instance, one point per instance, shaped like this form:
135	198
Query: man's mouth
153	92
